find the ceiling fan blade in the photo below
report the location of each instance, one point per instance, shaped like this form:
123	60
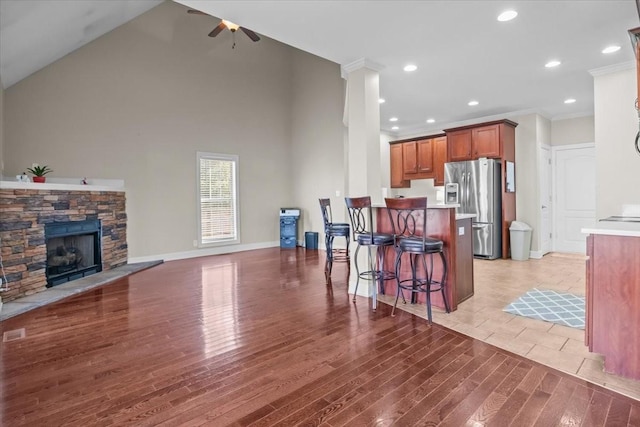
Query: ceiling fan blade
253	36
196	12
217	29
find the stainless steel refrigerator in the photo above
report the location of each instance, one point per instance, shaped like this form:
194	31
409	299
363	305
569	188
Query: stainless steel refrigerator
480	193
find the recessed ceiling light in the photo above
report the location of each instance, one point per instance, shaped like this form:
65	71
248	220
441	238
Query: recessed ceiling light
611	49
507	15
395	128
431	120
472	103
552	64
393	119
381	101
569	101
410	67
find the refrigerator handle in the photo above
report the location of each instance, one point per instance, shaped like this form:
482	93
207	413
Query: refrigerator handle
468	185
463	190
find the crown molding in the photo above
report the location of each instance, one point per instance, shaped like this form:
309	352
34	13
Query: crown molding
358	64
623	66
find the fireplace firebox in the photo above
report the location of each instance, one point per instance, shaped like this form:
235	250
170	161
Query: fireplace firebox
73	250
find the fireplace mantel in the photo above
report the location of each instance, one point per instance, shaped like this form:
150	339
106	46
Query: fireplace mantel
67	184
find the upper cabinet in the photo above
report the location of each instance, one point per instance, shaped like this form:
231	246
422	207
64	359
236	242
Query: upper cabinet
492	140
397	172
459	145
417	159
485	141
439	159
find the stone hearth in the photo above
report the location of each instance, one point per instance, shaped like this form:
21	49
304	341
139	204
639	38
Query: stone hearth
24	211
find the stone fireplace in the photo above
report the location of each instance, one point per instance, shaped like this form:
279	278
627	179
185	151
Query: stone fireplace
53	233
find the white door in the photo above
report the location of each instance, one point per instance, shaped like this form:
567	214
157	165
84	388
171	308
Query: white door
545	199
575	190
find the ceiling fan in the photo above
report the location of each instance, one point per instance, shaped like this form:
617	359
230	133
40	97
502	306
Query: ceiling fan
229	25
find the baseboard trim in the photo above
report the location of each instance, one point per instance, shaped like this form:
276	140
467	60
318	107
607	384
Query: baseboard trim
536	254
218	250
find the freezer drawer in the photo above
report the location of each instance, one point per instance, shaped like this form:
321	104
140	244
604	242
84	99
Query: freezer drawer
486	241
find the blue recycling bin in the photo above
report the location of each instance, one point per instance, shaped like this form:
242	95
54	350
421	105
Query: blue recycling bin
289	227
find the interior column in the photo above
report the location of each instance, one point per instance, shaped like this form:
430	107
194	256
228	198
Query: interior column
363	170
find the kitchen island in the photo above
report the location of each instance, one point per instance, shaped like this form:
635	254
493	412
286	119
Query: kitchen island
613	296
455	232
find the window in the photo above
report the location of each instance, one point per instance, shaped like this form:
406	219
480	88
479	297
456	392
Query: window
217	199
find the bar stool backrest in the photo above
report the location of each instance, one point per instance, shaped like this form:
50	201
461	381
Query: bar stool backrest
361	215
408	217
327	217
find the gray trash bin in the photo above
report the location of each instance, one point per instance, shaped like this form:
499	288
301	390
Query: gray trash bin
520	240
311	240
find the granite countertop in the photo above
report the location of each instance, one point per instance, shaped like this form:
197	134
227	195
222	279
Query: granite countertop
631	229
429	205
465	216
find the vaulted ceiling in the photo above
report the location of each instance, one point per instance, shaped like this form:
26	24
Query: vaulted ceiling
462	52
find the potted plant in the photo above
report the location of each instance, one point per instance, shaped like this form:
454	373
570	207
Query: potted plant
39	172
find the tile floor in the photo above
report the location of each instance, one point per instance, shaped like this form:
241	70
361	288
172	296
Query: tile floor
499	282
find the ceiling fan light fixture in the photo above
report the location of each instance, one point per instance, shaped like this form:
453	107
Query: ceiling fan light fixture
230	25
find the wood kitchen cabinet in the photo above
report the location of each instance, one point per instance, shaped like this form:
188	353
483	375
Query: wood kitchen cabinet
613	301
485	142
459	145
397	173
417	158
439	159
492	140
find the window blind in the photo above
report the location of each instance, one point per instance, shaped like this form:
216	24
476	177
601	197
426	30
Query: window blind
218	213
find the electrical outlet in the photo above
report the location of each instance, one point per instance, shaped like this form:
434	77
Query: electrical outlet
195	243
337	193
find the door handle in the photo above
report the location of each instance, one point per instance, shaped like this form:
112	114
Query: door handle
544	207
478	226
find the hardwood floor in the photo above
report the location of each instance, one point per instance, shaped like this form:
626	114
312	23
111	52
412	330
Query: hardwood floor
257	338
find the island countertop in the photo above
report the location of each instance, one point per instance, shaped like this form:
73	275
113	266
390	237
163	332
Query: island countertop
614	228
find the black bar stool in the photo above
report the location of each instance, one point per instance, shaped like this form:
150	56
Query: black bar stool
331	230
361	215
409	221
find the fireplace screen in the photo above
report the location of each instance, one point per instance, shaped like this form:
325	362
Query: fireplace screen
73	250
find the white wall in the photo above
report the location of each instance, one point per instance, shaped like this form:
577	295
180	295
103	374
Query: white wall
527	178
579	130
1	150
1	130
317	133
139	102
616	125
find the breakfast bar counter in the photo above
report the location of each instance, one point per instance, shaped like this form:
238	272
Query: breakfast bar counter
455	233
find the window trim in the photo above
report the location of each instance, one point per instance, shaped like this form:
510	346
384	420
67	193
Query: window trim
217	156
